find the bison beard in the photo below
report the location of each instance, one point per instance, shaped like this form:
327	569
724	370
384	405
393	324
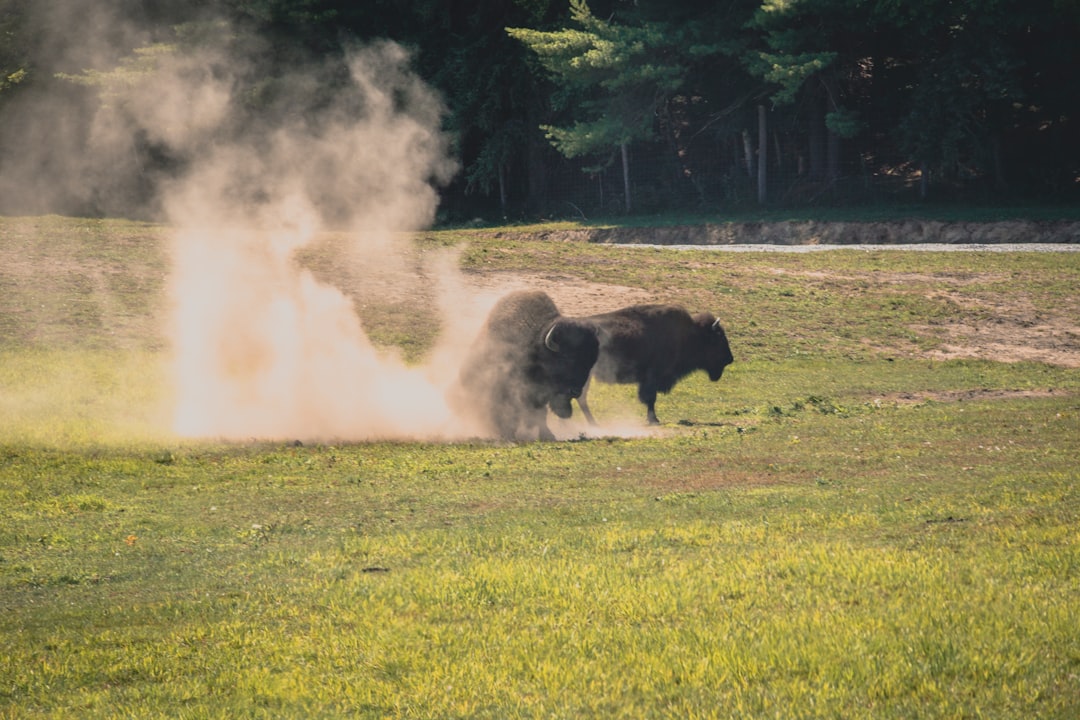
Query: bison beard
526	359
655	346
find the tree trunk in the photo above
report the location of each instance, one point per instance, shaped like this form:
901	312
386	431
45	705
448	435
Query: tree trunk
763	155
502	189
536	169
748	153
816	139
1001	184
626	174
832	144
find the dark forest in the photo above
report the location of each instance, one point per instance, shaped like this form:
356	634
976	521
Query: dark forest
623	107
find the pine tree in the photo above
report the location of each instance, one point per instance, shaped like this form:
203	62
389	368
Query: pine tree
612	79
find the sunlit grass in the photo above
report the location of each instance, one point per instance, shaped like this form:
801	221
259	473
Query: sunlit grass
903	560
831	530
67	397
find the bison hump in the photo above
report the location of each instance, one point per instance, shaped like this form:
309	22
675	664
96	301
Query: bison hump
521	315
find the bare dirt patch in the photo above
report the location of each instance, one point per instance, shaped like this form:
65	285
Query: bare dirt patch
52	290
573	295
986	328
1006	333
906	398
417	278
1057	354
1011	332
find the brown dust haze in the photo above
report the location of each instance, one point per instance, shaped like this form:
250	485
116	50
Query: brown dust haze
261	348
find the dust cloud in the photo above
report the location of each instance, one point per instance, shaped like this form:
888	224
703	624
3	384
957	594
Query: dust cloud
248	175
250	169
263	348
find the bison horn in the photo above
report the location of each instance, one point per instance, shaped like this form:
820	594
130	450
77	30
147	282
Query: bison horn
549	341
716	326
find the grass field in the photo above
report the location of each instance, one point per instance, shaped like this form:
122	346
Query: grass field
874	514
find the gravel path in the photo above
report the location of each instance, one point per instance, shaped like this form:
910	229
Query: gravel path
927	247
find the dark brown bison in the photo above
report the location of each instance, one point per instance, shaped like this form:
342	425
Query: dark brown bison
527	358
655	346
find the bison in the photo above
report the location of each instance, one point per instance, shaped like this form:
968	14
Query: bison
655	346
527	358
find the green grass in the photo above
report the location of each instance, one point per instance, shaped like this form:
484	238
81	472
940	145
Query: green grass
838	528
890	563
842	304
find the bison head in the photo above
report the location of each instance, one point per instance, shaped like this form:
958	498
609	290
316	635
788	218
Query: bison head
571	351
717	351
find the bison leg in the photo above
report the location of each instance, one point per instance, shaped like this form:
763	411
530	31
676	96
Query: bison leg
647	395
535	420
585	405
545	433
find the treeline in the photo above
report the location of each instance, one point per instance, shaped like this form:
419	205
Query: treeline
564	108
